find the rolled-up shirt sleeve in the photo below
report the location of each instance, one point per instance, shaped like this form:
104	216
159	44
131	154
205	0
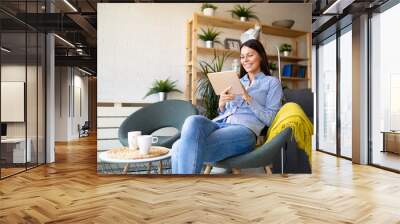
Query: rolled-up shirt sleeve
273	103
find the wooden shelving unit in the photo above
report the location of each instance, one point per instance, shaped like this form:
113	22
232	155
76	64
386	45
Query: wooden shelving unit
193	50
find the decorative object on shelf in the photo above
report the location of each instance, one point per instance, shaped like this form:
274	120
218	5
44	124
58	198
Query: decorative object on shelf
285	23
232	44
242	12
209	36
285	49
236	65
162	87
252	33
204	87
208	9
272	68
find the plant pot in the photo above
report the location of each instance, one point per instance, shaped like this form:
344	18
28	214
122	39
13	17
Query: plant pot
286	53
209	44
244	19
208	11
271	72
162	95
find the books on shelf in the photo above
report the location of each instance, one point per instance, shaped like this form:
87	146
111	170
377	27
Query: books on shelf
294	70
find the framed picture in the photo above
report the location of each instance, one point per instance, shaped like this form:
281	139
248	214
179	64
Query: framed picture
232	44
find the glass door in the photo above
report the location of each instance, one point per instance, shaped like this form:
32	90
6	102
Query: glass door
385	89
22	76
326	88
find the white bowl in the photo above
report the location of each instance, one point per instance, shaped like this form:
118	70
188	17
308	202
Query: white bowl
286	23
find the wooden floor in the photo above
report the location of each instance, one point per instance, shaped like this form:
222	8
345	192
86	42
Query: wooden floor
70	191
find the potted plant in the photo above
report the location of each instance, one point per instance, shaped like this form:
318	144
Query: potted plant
242	12
272	67
205	89
208	9
209	36
286	49
162	87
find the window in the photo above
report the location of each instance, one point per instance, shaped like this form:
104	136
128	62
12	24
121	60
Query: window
346	92
385	89
327	96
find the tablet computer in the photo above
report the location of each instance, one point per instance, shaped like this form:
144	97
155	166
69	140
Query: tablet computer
222	80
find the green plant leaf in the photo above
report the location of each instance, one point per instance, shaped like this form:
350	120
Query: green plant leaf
243	11
162	86
210	34
285	47
208	5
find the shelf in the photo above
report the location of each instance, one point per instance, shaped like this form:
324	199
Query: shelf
223	22
293	79
288	59
278	31
234	53
205	50
237	24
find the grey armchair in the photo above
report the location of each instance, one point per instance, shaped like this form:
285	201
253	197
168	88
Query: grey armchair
291	159
262	156
169	113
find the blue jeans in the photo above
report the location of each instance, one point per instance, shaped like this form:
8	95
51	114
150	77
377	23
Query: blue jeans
203	140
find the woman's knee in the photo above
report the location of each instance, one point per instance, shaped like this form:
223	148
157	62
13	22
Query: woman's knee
193	122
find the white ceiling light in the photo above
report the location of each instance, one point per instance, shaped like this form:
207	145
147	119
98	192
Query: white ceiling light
5	50
70	5
64	40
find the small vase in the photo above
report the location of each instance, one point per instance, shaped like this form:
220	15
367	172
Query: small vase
162	95
236	65
208	12
243	19
209	44
286	53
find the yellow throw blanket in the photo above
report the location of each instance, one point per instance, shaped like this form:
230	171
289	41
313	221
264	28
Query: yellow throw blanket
291	115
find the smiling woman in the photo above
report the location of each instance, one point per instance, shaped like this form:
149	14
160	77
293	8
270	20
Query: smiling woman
241	118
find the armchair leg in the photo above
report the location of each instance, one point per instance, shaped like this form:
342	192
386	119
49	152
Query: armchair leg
235	171
282	167
208	169
268	170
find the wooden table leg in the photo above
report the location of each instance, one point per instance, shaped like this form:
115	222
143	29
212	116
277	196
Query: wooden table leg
149	168
126	167
160	167
235	170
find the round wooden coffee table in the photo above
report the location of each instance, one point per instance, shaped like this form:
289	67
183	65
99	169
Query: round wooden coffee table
125	156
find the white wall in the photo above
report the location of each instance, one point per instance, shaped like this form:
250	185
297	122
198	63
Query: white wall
33	126
68	82
138	43
17	73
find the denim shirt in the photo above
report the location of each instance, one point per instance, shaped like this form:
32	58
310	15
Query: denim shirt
266	94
